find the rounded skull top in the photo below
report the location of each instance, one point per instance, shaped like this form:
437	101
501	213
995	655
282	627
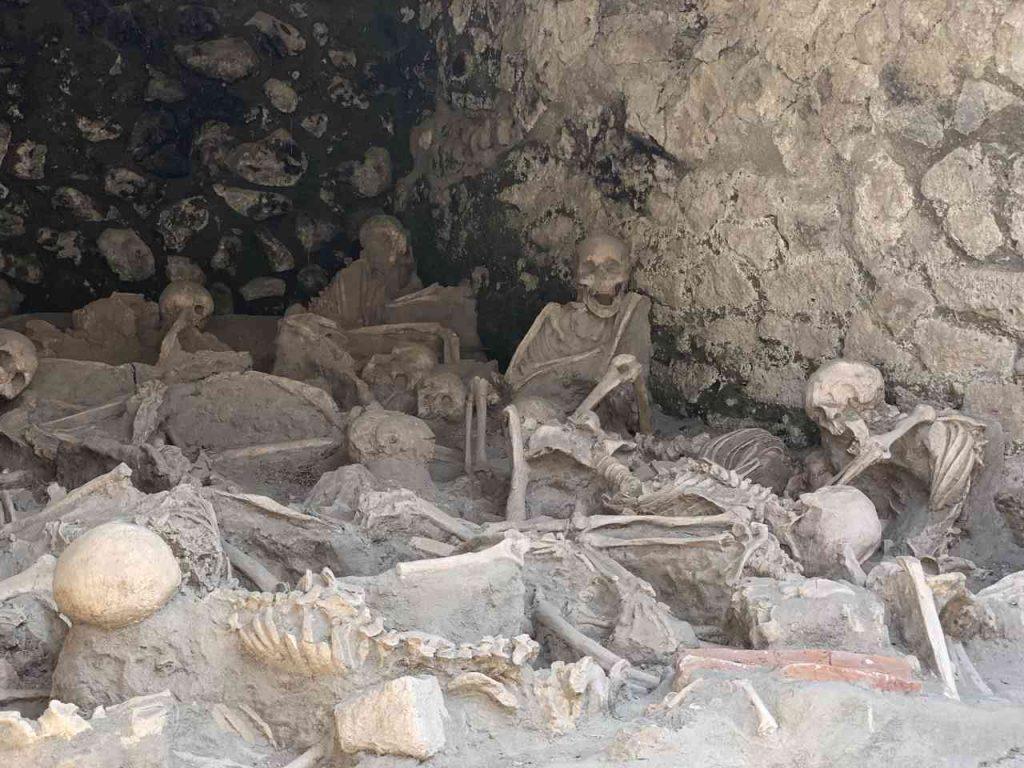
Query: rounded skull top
115	575
378	434
836	518
185	296
18	363
840	389
602	273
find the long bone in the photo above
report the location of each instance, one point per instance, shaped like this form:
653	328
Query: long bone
877	447
38	578
546	614
476	402
766	724
515	507
623	369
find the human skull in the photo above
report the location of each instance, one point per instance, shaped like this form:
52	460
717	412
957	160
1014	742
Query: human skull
402	370
185	296
842	390
441	395
602	274
115	575
385	245
18	363
833	518
379	434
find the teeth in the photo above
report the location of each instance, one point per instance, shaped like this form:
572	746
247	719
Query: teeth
338	651
323	654
271	625
307	626
328	576
291	646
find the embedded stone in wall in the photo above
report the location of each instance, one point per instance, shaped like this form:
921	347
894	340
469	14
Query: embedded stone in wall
962	352
127	254
1001	401
228	58
163	88
1009	48
278	254
315	125
10	299
263	288
314	233
228	254
274	161
96	130
5	139
65	245
179	222
126	184
996	294
77	203
29	161
285	38
979	100
11	225
255	204
961	186
281	95
372	176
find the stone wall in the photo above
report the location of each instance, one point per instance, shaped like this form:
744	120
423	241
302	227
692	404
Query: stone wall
799	179
247	139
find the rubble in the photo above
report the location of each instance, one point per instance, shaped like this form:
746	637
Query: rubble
620	382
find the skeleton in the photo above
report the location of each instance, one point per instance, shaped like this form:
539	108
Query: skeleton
18	363
597	343
386	270
860	430
480	395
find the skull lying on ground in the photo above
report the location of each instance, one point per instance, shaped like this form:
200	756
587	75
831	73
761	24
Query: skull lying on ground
185	296
18	363
441	395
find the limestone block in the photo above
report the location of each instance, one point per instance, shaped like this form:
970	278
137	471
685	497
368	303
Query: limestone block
808	613
956	351
404	717
1000	400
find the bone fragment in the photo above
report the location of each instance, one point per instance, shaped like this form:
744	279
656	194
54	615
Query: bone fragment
8	503
548	615
87	417
469	432
258	573
766	724
480	389
37	578
676	698
510	550
967	668
623	369
926	618
515	507
876	448
58	509
270	449
431	547
308	759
